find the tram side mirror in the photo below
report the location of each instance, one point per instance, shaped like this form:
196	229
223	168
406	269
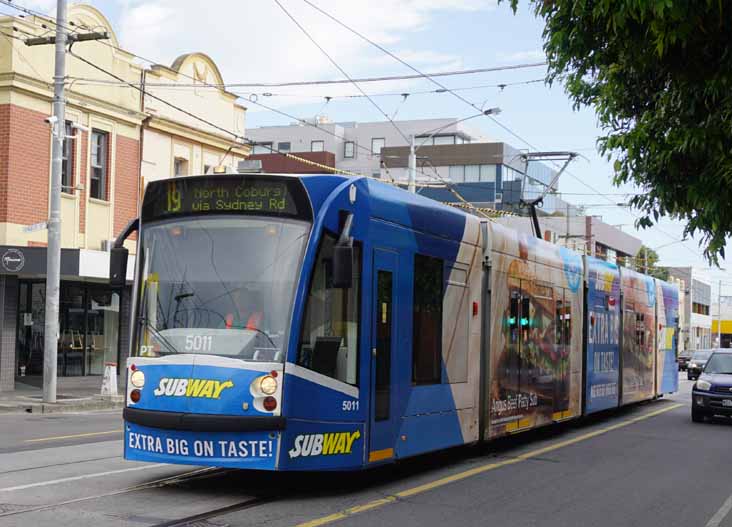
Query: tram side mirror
343	266
118	266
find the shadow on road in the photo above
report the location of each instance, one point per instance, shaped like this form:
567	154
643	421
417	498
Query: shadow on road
248	483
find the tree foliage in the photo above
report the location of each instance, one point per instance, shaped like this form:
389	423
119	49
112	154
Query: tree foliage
659	76
645	262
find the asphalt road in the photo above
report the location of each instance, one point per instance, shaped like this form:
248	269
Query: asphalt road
647	466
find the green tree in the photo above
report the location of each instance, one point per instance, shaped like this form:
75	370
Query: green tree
659	76
645	262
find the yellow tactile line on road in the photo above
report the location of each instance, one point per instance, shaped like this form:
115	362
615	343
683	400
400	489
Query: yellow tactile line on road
477	470
74	436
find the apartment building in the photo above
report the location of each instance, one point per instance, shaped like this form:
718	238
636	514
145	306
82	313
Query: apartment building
357	147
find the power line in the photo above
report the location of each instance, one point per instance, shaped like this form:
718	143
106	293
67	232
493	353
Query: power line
86	81
236	136
392	55
251	143
246	140
396	127
506	128
452	73
339	68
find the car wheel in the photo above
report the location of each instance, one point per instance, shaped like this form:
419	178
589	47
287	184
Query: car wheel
697	416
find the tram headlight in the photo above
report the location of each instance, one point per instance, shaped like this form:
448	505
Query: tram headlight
268	385
137	379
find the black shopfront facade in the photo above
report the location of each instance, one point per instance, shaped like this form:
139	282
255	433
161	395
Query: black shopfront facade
92	328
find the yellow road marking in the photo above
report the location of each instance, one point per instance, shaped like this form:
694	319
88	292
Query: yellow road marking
478	470
58	438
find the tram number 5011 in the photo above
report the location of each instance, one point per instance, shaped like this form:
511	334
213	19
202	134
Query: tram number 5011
199	342
350	406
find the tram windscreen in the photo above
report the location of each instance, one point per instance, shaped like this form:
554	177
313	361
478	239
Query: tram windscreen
218	285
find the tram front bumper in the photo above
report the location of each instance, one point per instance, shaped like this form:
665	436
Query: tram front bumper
202	439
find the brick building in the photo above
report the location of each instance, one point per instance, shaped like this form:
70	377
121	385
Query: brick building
116	140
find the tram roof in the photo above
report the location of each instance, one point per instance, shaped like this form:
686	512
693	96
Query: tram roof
396	205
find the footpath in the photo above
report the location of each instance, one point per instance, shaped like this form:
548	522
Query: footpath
74	394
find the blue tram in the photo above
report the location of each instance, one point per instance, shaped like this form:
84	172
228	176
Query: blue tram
329	323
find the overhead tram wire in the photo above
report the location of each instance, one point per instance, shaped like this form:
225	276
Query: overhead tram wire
236	136
458	96
403	62
86	81
249	142
472	71
123	82
356	85
339	68
506	128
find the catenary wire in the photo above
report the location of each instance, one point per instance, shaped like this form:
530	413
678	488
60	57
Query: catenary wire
236	136
386	51
472	71
339	68
228	132
356	85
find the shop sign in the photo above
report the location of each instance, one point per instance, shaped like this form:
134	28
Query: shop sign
12	260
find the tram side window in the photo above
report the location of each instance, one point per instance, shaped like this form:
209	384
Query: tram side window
329	338
427	320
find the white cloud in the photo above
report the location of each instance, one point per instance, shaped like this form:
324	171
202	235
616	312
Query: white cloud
253	40
533	55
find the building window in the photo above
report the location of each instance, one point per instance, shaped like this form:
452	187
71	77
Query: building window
262	148
99	165
427	320
424	140
444	140
284	147
180	167
67	162
377	143
472	173
349	149
488	173
457	173
509	174
317	146
329	339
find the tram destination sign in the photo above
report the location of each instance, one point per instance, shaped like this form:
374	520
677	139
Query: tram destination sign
231	194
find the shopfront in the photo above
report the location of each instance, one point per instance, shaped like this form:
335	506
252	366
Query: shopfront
88	328
92	321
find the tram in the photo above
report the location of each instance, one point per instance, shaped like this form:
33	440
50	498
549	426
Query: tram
319	322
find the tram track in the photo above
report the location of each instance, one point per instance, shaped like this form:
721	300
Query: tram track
185	477
220	511
53	465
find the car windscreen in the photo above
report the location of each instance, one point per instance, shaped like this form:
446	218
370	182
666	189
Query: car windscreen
701	355
719	363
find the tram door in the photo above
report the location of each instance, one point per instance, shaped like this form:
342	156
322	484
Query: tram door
383	345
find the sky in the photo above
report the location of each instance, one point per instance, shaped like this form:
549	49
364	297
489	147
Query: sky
255	41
